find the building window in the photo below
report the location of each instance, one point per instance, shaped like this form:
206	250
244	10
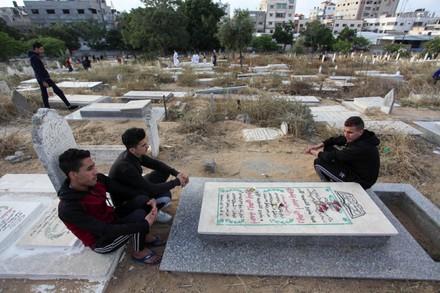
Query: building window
280	15
80	11
271	31
270	22
93	11
50	11
66	11
270	14
35	11
281	5
271	6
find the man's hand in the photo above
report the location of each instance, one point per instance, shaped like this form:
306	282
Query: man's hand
152	202
45	84
312	148
183	178
151	217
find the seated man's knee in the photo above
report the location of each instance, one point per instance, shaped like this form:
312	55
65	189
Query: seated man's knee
139	214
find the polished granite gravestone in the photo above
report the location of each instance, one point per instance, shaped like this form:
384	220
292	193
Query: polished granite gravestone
301	99
291	209
261	134
401	257
49	232
14	217
152	95
79	84
81	100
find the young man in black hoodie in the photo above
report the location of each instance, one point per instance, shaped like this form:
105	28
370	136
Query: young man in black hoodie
353	157
127	170
84	210
43	77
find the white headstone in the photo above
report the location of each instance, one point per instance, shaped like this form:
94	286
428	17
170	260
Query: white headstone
284	128
79	84
153	137
51	136
49	232
320	70
334	58
388	103
14	216
290	209
261	134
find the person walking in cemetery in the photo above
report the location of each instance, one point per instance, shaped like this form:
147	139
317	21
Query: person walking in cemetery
84	210
127	170
86	63
68	64
436	76
43	77
214	58
353	157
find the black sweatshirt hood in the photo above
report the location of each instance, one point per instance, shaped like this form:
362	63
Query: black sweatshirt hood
67	193
32	54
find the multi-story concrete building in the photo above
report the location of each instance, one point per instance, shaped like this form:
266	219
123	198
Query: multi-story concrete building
44	13
360	9
402	23
277	12
339	24
259	19
15	17
325	10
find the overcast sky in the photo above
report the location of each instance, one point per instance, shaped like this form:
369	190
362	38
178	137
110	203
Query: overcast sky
303	6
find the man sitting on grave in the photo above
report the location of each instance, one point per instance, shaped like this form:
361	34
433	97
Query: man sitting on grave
127	170
353	157
83	209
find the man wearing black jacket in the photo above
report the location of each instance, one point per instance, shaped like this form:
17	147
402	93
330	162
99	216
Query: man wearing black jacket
353	157
83	209
43	77
127	170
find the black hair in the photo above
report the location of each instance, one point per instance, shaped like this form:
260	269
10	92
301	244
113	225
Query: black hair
71	159
132	136
355	121
37	45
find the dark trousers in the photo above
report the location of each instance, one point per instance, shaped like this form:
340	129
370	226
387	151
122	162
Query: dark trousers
159	177
56	90
330	171
133	212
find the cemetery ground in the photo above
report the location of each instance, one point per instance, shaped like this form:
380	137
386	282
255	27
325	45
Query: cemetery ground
208	131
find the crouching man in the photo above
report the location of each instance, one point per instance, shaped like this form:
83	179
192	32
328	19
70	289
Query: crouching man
353	157
84	210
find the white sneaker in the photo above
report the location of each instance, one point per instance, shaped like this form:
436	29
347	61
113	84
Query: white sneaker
163	217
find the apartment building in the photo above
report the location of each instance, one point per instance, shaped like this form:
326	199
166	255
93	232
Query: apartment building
277	12
360	9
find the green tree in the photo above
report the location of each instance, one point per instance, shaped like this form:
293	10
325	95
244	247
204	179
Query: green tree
361	43
65	32
114	40
433	47
236	33
92	32
52	47
12	32
347	35
318	36
264	44
159	28
299	47
10	47
202	18
342	46
284	33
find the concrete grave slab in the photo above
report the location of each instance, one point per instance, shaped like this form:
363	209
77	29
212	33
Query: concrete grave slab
222	90
382	75
343	78
400	258
157	113
290	209
4	88
79	84
368	103
26	183
32	81
14	217
49	232
21	104
261	134
81	100
140	109
51	136
153	95
388	103
305	77
301	99
332	114
431	129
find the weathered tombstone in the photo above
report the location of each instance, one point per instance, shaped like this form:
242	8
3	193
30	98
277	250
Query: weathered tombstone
51	136
388	102
284	128
320	69
4	88
153	136
21	104
13	217
27	70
